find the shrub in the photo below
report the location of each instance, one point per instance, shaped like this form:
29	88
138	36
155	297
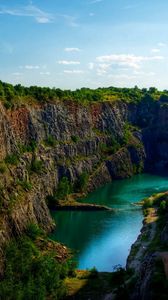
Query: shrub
50	141
64	188
148	202
33	231
31	147
163	207
37	166
82	182
118	276
29	274
2	168
27	186
8	104
52	200
93	273
74	138
12	159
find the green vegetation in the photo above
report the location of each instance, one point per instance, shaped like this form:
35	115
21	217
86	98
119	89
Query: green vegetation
2	168
31	273
36	166
160	201
93	273
64	188
27	186
74	138
91	284
18	94
30	147
12	159
50	141
33	231
127	135
82	182
52	200
109	149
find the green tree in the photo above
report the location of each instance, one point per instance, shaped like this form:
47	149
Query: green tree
64	188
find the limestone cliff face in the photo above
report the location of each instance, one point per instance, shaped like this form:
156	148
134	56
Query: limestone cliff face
152	118
83	140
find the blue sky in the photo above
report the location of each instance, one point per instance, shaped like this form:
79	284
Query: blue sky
75	43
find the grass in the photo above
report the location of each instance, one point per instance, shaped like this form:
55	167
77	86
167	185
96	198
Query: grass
83	286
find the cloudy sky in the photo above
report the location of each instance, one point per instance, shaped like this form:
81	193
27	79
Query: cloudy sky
75	43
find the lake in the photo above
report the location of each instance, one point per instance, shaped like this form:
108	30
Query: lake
103	239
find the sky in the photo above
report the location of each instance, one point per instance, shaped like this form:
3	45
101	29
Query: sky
71	44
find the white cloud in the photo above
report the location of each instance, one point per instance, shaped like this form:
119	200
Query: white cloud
103	69
16	74
70	20
42	20
155	50
128	60
73	71
144	73
68	62
100	72
122	76
34	67
45	73
29	11
72	49
39	15
104	66
91	66
96	1
161	44
31	67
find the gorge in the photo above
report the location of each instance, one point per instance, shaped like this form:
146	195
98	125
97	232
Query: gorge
49	142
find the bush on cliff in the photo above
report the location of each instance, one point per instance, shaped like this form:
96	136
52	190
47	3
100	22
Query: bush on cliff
50	141
82	182
37	166
32	274
52	200
64	188
12	159
33	231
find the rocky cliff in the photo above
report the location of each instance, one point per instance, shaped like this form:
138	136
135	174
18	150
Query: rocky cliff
41	143
149	256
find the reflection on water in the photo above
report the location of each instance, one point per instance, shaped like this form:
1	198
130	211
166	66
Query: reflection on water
103	238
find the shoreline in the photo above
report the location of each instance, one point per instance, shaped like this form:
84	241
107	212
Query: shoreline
81	207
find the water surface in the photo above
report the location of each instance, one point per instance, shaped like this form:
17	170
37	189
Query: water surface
102	238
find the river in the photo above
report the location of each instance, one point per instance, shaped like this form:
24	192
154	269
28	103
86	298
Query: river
103	239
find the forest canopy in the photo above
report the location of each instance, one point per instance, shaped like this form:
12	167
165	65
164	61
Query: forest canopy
11	94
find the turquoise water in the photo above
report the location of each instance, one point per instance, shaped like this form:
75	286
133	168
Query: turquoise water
103	238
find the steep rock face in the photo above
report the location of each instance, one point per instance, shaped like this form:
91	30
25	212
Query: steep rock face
152	118
70	138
